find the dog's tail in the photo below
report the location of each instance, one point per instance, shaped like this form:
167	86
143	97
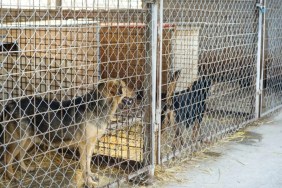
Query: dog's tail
2	119
4	116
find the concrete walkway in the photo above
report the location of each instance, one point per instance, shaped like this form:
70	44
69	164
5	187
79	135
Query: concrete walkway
253	160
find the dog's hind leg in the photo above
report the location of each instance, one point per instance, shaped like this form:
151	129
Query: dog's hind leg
13	141
9	158
196	131
23	150
16	137
13	151
196	136
178	141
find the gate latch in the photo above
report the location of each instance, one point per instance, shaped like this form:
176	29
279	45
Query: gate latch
261	7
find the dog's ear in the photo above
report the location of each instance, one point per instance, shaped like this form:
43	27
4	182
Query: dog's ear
119	89
101	86
114	88
172	83
176	75
108	87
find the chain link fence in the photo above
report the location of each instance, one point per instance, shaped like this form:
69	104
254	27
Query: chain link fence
73	78
271	99
96	93
209	84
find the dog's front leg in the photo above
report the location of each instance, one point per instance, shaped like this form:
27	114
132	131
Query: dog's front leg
24	148
89	154
86	151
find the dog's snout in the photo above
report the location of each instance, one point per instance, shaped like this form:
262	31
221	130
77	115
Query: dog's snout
127	101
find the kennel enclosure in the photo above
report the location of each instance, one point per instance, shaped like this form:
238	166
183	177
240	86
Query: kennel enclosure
59	50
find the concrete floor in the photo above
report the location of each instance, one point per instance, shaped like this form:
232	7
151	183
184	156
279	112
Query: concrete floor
251	160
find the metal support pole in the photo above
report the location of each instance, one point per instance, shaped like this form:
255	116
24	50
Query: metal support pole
159	92
263	60
150	92
259	50
154	78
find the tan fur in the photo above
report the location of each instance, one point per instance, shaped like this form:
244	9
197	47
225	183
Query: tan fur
169	118
196	131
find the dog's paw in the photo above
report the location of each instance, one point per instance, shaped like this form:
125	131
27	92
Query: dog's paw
115	119
90	182
94	176
28	169
13	177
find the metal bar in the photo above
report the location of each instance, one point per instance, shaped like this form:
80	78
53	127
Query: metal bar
151	48
258	78
147	91
154	78
138	172
150	85
159	93
130	176
263	63
98	53
271	110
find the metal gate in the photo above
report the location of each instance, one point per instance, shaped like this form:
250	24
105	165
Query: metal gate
68	69
220	70
208	77
272	82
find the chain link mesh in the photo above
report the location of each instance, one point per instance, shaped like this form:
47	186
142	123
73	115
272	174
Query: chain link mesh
208	89
272	63
55	58
76	76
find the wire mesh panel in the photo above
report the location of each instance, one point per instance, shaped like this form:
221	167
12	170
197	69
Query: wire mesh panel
79	81
272	90
73	78
208	90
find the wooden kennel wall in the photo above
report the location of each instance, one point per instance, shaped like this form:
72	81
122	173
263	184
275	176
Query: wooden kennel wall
123	53
60	56
53	59
77	53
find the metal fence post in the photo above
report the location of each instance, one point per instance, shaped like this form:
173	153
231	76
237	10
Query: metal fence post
159	80
151	59
259	60
263	59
